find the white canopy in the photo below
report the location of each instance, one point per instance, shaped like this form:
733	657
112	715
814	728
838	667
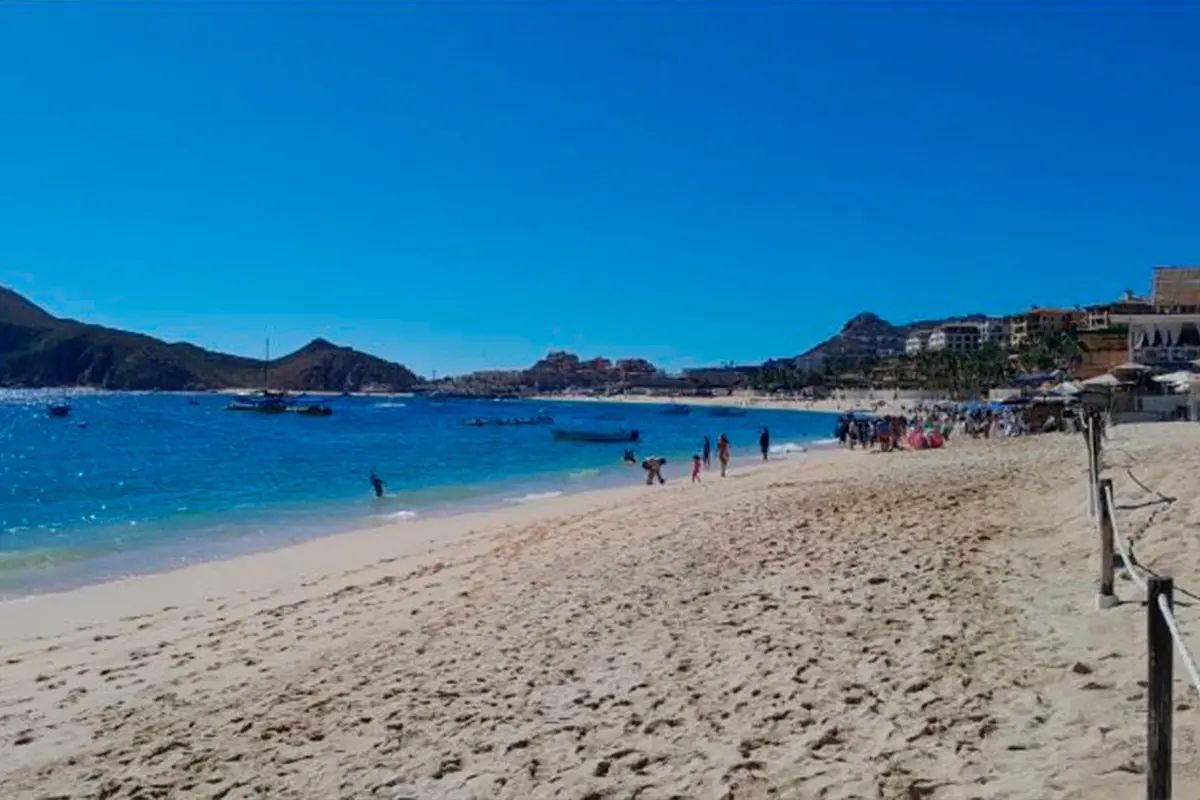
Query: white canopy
1065	388
1103	380
1131	366
1182	376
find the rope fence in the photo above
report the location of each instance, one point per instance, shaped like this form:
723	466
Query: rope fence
1164	638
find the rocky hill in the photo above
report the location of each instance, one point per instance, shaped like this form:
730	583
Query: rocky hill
869	336
38	349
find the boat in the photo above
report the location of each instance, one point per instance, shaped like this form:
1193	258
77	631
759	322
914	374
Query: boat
479	422
312	409
568	435
677	410
263	404
266	401
726	411
58	409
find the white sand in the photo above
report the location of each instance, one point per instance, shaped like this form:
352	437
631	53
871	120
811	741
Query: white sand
739	399
903	626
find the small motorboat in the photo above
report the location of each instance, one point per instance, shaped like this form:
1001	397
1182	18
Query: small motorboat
312	409
479	422
58	409
569	435
266	404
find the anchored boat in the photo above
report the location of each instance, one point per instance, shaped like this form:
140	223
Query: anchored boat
568	435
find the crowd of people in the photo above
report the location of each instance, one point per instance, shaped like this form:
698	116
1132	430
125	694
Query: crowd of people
926	429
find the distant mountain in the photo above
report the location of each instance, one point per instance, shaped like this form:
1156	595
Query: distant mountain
869	336
38	349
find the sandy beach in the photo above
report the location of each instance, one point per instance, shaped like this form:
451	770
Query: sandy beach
739	399
842	626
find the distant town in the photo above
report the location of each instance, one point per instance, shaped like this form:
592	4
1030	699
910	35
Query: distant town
961	356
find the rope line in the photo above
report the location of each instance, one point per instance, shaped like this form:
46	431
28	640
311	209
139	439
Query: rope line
1184	655
1131	566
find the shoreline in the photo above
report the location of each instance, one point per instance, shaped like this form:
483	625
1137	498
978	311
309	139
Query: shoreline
332	550
527	491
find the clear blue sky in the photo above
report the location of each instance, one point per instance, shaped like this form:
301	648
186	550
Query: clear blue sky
467	185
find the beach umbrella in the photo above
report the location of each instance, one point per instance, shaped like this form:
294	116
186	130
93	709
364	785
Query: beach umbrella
1065	388
1131	366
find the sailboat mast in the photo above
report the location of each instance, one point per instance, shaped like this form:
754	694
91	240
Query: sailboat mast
267	366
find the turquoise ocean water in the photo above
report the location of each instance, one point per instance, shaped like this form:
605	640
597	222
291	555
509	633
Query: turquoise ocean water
135	483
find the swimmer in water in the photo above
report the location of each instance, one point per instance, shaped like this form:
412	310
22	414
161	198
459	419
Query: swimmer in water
377	485
629	457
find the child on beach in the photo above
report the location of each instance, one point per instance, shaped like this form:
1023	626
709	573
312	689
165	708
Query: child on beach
697	465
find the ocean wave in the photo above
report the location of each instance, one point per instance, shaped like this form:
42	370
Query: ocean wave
390	405
787	448
404	514
580	474
534	497
824	442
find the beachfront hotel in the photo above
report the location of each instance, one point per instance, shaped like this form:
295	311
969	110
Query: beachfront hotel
1164	333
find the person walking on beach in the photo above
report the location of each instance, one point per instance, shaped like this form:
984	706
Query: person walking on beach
723	453
707	453
764	442
697	465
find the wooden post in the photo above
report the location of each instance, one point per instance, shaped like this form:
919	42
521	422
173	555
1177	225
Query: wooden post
1159	704
1106	597
1087	435
1093	436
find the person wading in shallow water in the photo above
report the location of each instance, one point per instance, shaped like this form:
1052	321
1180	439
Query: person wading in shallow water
706	453
377	485
764	442
723	453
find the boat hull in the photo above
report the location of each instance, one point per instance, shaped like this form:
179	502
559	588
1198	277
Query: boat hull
594	436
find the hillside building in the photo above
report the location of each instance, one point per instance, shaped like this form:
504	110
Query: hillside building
1038	322
955	338
916	343
1172	287
995	330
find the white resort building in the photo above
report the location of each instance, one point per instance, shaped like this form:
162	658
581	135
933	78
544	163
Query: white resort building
955	338
916	343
